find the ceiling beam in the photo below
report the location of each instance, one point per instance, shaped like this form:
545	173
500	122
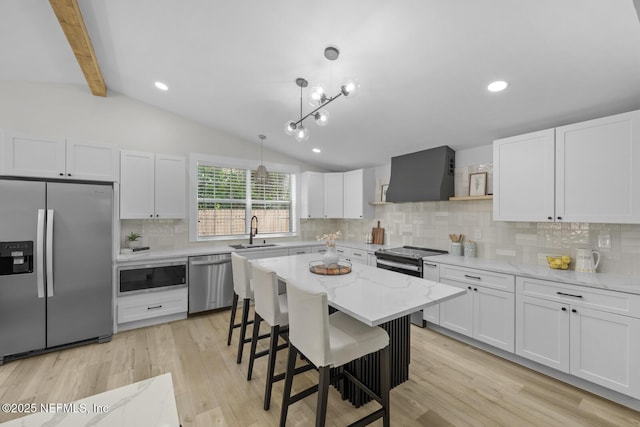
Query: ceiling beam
72	23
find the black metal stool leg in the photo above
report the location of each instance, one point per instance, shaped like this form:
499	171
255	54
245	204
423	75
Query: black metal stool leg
273	352
288	382
243	329
385	384
254	343
323	394
234	307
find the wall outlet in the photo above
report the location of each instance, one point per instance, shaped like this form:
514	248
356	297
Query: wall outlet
604	241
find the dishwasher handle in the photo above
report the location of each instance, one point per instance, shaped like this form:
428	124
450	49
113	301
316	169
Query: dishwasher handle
213	262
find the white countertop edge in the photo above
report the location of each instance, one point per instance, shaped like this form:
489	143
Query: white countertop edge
604	281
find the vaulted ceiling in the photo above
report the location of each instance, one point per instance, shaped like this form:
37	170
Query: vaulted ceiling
423	66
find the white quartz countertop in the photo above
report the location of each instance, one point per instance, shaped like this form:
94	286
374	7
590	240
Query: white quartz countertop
593	280
369	294
222	248
148	403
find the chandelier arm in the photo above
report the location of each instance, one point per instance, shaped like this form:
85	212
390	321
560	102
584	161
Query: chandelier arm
318	108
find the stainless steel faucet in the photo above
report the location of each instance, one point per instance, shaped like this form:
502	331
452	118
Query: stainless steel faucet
251	229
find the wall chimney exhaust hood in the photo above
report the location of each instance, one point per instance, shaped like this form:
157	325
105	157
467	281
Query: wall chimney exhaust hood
422	176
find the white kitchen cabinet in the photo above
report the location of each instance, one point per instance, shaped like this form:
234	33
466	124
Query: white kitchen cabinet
358	192
486	312
583	172
590	333
312	195
151	186
337	194
31	156
524	177
265	253
153	307
431	271
333	195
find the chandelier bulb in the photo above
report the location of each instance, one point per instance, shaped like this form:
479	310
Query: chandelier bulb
350	88
289	127
321	117
301	134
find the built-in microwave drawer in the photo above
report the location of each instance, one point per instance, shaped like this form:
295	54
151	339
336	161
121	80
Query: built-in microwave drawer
143	277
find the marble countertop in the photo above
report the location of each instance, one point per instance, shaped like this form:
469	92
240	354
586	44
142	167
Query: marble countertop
214	249
605	281
369	294
148	403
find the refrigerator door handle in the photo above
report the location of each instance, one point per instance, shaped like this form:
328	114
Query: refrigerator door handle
40	254
49	252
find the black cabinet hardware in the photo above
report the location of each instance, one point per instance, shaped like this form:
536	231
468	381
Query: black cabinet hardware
568	295
573	310
154	307
472	277
564	308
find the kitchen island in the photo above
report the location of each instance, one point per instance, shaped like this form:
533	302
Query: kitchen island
375	297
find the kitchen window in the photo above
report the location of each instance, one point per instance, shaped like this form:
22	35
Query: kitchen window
224	197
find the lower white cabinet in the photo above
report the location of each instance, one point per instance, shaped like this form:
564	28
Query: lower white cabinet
265	253
486	311
589	333
150	305
431	271
352	255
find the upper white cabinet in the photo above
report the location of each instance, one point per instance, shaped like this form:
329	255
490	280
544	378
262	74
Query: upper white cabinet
312	192
337	194
333	195
151	186
582	172
59	158
358	192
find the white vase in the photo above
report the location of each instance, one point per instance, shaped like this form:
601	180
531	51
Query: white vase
331	256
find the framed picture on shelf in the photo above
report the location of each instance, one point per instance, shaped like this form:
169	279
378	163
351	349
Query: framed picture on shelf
383	193
478	184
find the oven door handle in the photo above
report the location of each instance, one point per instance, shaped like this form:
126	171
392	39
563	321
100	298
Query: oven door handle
398	265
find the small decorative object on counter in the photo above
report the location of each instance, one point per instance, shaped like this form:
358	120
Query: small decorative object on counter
559	262
470	249
455	248
331	256
341	267
132	240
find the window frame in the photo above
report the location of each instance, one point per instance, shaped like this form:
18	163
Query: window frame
230	162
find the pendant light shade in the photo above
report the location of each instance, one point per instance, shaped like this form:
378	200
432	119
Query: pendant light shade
261	176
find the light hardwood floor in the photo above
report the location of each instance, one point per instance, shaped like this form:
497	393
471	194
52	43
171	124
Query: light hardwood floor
451	384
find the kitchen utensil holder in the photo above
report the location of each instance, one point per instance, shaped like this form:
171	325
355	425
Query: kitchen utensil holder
455	248
470	249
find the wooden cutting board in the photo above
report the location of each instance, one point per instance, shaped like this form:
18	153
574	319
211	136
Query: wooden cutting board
378	235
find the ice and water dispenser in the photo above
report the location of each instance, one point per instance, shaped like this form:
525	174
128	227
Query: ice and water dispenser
16	258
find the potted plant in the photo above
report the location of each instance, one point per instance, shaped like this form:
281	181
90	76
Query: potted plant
132	240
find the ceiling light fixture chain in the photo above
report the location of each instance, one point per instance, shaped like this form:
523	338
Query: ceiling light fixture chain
319	100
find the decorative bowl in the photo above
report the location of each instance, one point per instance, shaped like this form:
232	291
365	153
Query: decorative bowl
559	262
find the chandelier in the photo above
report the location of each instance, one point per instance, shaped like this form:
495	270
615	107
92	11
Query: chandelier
319	100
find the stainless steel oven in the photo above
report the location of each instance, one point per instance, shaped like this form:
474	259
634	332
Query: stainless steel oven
405	259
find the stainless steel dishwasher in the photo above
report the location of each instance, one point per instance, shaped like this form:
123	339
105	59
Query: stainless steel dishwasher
210	282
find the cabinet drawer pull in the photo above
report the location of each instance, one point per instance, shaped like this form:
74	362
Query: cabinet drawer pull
426	264
356	254
569	295
154	307
472	277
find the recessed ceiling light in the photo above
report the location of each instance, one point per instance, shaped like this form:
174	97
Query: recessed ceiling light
161	86
316	150
497	86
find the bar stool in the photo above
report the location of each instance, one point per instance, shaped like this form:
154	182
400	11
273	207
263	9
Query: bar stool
272	308
331	341
241	289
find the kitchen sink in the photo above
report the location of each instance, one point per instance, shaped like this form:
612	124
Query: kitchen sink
254	245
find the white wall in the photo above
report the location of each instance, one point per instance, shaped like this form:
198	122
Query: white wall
70	111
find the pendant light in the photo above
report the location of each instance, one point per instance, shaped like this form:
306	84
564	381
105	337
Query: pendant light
261	175
319	100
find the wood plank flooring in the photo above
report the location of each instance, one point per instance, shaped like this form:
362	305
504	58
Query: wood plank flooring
451	383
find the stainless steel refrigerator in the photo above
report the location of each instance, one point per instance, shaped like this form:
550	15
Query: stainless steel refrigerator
55	265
